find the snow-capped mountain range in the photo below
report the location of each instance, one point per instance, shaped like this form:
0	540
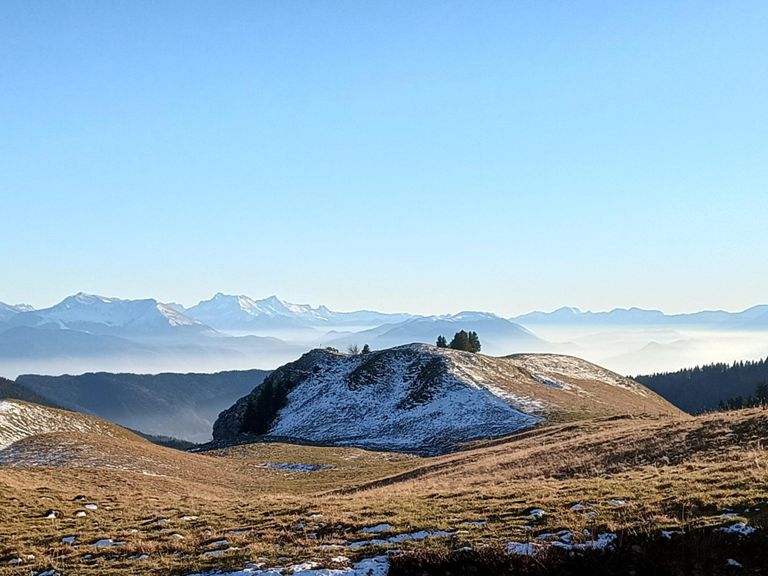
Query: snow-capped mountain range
95	313
228	312
86	332
101	315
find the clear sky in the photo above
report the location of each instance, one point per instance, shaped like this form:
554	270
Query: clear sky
420	156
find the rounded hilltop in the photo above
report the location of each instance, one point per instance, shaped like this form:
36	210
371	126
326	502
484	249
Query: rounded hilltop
424	399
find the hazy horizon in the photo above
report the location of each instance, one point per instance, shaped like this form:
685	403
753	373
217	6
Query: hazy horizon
189	304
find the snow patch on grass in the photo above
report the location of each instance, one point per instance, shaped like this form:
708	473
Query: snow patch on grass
399	538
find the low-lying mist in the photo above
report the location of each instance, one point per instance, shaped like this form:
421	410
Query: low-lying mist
628	351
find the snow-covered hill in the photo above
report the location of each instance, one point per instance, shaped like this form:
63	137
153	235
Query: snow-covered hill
423	399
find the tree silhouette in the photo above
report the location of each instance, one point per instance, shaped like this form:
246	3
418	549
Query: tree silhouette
474	342
466	341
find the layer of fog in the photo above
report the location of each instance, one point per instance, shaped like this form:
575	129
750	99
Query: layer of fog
629	351
644	350
150	364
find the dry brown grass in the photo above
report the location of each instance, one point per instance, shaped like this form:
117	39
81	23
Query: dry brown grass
674	472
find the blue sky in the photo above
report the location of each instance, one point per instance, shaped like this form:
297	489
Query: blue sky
429	156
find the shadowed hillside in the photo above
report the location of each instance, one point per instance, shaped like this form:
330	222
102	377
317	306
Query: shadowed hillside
178	405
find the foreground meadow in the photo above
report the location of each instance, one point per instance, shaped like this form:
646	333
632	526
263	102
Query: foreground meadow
120	505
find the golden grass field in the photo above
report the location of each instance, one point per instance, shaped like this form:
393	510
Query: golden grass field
168	508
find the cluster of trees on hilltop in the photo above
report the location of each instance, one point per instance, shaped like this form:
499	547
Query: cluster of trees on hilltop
462	340
711	387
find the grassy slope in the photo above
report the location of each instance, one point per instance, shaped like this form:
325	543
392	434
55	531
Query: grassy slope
678	472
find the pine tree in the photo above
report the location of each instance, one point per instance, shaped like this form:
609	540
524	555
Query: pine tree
474	342
366	349
442	342
460	341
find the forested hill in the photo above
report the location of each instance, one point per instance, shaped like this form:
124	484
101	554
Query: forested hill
11	390
704	388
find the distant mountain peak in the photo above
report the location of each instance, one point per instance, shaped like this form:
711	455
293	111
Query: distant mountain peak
242	312
471	315
100	314
85	298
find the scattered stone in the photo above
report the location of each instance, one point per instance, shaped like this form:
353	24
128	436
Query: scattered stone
537	513
106	543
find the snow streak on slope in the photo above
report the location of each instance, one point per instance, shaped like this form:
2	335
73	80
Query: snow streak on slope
19	420
487	372
553	367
